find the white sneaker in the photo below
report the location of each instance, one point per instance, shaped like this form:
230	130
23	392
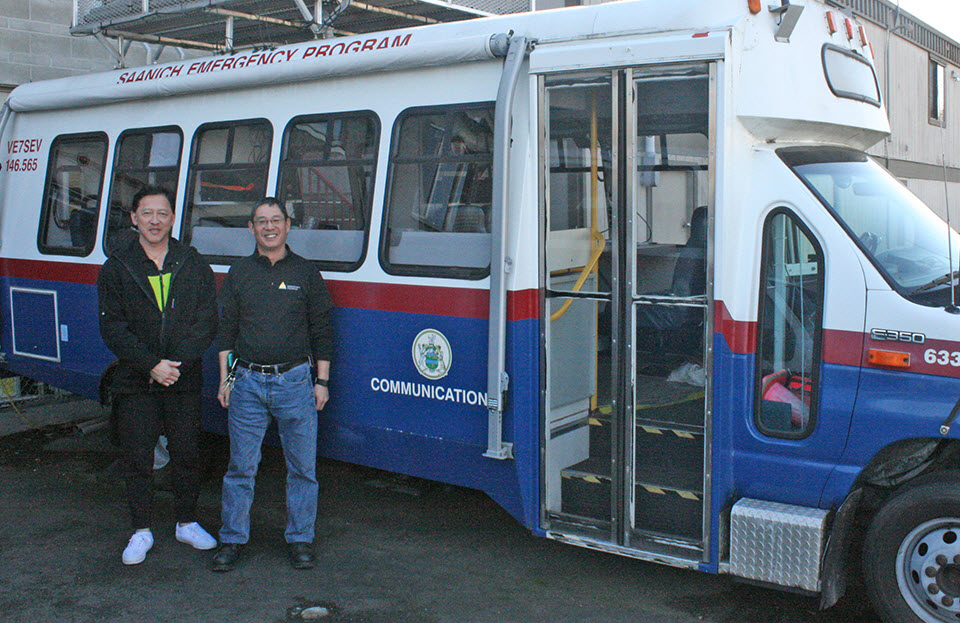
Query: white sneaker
192	534
136	550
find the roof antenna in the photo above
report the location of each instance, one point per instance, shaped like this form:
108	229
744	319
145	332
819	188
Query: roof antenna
951	274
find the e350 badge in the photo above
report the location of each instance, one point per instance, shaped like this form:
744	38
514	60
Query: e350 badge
431	354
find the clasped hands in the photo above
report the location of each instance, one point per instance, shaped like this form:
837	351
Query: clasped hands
166	372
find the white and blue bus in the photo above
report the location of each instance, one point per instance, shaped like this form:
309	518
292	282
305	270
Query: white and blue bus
626	268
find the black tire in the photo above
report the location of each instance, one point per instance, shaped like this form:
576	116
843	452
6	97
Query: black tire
911	555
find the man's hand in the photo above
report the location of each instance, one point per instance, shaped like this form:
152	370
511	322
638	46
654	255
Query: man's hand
166	372
223	394
322	394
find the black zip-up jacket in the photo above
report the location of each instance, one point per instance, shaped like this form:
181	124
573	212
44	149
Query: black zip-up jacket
135	329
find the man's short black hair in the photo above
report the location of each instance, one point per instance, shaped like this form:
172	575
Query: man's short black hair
148	191
268	201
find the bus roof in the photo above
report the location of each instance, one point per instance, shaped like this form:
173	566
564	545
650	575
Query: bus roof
401	49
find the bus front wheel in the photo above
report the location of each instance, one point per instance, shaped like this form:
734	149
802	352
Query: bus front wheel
911	555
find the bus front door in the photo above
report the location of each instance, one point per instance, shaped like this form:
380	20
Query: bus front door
626	188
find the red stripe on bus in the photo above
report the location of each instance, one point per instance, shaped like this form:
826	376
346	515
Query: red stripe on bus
417	299
844	348
839	347
443	301
741	335
68	272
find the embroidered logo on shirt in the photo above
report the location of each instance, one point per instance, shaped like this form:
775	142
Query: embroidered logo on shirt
284	286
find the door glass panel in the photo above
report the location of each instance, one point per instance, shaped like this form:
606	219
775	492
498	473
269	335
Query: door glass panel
577	167
579	197
670	197
626	189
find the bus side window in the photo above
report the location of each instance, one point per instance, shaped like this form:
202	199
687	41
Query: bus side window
71	196
143	157
228	174
439	192
326	183
789	328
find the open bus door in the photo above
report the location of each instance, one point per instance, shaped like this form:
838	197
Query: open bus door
626	187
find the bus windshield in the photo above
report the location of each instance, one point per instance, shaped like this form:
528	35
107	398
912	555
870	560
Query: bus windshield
911	246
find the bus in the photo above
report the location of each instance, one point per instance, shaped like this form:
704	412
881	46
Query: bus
626	268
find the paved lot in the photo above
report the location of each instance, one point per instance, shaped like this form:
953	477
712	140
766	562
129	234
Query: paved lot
390	550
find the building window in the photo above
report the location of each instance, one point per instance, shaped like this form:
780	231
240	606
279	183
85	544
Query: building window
937	94
439	192
71	198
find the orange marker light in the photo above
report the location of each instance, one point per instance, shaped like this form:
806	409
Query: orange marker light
888	359
849	24
832	22
863	36
755	6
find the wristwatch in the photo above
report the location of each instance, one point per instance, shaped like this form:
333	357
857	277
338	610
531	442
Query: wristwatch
318	381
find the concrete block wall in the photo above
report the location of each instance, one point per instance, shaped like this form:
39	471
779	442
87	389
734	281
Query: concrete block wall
35	44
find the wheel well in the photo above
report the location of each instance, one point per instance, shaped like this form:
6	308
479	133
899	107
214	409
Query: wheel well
900	466
908	462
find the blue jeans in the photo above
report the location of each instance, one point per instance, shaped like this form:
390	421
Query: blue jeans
289	399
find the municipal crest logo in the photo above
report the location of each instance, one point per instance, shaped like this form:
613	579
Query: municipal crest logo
431	354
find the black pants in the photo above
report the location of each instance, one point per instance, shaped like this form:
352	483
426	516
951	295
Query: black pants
141	419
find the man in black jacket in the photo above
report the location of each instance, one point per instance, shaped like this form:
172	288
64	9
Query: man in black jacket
158	315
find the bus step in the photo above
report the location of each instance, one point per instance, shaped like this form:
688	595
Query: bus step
655	445
685	414
666	457
585	489
669	511
669	499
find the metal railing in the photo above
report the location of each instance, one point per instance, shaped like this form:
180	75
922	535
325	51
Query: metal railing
87	12
887	15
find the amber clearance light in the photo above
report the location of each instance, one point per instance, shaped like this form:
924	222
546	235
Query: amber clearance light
888	358
832	22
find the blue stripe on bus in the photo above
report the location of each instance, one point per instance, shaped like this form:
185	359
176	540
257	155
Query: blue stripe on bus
383	413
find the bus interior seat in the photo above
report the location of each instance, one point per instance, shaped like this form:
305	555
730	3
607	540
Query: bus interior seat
674	330
467	219
83	222
690	271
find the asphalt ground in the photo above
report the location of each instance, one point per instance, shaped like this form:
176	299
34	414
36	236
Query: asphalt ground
391	549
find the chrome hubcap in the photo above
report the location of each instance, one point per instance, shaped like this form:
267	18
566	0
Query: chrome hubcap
928	570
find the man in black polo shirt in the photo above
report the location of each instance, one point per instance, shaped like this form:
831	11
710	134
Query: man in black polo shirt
274	323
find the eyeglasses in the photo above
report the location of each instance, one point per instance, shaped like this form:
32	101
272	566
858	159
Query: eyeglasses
263	222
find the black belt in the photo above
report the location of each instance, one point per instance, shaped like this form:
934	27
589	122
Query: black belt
276	368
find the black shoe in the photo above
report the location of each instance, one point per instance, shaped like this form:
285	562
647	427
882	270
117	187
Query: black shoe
301	555
227	556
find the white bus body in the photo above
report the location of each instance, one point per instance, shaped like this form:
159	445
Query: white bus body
624	267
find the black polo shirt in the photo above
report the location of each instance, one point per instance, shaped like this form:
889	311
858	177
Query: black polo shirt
275	313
